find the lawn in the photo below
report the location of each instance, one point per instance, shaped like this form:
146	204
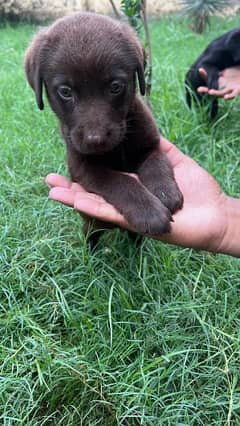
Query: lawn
127	335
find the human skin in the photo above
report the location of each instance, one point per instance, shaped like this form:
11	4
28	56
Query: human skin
229	83
209	219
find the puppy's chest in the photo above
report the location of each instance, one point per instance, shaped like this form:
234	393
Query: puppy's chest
122	158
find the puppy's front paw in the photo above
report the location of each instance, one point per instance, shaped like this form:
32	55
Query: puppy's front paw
171	196
151	219
157	176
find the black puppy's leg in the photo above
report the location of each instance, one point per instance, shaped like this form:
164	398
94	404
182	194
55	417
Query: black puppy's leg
135	238
188	97
93	230
92	235
193	80
213	110
157	175
212	83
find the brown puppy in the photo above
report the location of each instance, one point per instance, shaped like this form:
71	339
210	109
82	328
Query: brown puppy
88	65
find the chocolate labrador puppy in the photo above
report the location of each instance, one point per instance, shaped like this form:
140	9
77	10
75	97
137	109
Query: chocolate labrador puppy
221	53
88	64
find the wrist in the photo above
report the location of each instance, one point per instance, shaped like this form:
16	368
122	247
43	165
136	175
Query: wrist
230	241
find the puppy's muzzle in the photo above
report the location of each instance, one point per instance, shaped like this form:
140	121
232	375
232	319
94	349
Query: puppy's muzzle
97	140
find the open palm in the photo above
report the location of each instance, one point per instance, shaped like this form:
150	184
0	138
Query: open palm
200	223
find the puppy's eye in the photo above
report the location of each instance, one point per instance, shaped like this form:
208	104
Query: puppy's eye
65	92
116	87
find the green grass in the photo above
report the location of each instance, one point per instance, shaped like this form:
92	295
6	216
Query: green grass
124	336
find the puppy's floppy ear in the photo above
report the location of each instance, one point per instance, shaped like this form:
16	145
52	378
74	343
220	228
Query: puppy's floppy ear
33	66
138	54
140	71
233	43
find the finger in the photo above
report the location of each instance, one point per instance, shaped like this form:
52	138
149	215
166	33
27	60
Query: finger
232	95
63	195
202	89
175	156
69	197
98	208
203	73
220	93
91	204
54	179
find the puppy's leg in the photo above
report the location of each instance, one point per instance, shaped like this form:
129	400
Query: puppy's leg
192	81
93	229
188	97
92	235
135	238
157	175
213	84
144	212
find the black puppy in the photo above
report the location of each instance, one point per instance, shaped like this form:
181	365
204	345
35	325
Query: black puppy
221	53
88	64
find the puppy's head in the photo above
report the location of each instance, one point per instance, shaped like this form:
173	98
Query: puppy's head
88	64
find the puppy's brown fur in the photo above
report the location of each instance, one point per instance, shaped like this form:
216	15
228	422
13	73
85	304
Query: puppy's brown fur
88	64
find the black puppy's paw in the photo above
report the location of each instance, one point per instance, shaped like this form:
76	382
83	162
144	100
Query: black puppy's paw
150	219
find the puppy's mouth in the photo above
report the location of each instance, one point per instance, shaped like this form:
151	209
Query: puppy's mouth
95	144
95	149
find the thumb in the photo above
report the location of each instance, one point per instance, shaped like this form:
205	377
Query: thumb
203	74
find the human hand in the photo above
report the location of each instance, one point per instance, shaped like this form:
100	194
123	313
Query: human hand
228	82
200	224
